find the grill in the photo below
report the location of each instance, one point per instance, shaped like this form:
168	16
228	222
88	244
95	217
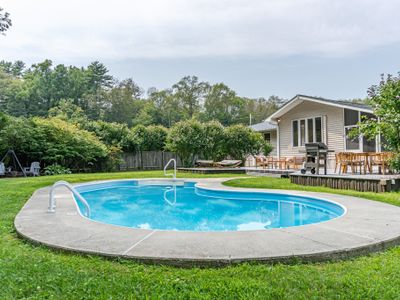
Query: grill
315	153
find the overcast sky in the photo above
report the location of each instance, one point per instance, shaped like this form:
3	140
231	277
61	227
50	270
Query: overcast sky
334	49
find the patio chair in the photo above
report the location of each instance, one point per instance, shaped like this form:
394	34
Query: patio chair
229	163
261	161
2	169
381	160
343	160
33	170
204	163
295	162
359	160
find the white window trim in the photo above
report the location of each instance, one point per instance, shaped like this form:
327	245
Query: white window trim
306	131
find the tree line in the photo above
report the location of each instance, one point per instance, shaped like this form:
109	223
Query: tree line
36	90
69	141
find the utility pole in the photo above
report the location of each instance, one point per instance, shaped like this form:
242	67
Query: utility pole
250	120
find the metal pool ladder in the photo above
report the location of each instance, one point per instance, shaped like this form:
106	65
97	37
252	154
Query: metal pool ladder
52	199
166	166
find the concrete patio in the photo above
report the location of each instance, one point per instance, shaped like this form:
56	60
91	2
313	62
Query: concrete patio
367	226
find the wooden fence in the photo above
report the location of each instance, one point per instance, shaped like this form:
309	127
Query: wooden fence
147	160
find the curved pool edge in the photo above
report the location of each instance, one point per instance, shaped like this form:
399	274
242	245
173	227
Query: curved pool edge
368	226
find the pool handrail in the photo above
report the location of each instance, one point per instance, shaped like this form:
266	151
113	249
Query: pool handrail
166	166
52	199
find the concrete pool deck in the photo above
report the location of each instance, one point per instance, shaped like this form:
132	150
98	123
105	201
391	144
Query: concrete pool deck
367	226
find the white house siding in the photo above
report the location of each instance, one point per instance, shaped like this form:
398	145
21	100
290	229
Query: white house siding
333	129
273	143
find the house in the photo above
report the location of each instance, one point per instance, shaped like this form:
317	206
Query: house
306	119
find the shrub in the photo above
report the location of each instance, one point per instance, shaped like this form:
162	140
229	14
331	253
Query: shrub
213	147
155	138
186	139
52	141
111	134
241	141
136	138
56	169
66	144
267	148
113	159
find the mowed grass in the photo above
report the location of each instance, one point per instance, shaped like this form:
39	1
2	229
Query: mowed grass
34	272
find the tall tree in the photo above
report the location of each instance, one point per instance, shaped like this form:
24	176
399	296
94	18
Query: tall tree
163	108
223	105
15	69
124	103
5	21
385	101
97	76
190	93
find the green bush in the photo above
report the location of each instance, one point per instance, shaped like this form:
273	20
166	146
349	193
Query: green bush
241	141
155	138
111	134
213	147
52	141
150	138
267	148
56	169
66	144
186	139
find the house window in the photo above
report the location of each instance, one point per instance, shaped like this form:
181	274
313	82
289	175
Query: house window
369	145
295	134
318	130
351	119
310	129
359	143
306	131
267	137
302	132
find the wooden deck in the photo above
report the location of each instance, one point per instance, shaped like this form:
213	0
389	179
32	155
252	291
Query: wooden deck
241	170
269	172
213	170
362	183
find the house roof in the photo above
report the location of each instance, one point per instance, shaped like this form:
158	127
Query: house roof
263	126
296	100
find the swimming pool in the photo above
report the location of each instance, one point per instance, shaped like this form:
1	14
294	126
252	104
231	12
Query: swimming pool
182	206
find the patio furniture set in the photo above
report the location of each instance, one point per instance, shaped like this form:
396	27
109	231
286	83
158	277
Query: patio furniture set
362	162
283	163
356	163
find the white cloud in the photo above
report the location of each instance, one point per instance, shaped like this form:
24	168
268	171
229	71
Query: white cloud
124	29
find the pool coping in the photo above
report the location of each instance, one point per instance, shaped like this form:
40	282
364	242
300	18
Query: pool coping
367	226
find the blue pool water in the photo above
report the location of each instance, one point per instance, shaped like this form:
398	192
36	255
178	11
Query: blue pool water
138	205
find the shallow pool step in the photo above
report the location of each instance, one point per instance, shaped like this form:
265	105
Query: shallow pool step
161	182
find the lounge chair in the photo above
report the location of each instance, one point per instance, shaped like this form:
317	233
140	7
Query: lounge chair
33	170
228	163
204	163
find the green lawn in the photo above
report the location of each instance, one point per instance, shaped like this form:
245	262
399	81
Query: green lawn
28	271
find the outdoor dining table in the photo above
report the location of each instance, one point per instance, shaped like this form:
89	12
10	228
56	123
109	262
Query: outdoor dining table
365	161
363	158
278	163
